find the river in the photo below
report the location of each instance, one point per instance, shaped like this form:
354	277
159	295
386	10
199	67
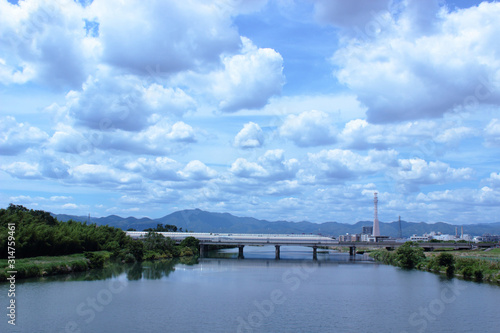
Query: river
256	294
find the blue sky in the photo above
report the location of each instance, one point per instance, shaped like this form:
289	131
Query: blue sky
281	110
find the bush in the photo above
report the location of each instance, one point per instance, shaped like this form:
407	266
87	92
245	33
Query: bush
467	272
191	242
186	251
79	266
408	256
478	275
96	259
450	271
129	258
446	259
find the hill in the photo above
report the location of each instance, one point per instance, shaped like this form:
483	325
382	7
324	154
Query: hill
203	221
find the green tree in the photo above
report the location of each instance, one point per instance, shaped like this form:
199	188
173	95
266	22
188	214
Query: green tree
190	242
408	255
446	259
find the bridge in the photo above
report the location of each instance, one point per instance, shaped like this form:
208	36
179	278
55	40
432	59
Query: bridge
278	240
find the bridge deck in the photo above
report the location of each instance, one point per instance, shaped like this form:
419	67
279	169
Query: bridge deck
288	239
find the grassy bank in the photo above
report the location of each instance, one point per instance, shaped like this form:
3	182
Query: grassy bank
45	266
477	265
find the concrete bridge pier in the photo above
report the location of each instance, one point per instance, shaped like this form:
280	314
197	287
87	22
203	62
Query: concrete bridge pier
315	253
203	250
277	252
352	250
240	251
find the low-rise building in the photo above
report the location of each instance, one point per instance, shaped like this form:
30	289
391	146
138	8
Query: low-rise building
415	238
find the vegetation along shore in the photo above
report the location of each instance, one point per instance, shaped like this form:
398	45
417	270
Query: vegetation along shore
476	265
45	246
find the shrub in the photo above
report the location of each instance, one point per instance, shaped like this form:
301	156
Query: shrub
450	271
129	258
467	272
96	259
446	259
478	275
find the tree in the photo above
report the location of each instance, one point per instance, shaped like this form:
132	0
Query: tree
408	255
190	242
446	259
136	248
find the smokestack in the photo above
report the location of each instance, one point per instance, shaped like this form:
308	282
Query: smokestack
376	230
456	232
462	234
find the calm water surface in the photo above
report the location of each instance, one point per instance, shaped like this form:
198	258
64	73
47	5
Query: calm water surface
256	294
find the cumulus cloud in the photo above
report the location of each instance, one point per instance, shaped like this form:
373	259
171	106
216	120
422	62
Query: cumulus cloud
108	102
173	35
271	166
248	79
99	174
492	133
413	173
33	32
360	134
484	196
494	180
159	138
197	170
159	168
16	137
23	170
250	136
403	73
339	165
310	128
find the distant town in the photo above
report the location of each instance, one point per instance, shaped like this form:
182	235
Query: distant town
366	235
372	234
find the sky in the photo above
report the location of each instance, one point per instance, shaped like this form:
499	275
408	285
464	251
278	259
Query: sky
293	110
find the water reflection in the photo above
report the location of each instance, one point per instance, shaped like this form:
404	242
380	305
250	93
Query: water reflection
149	270
159	269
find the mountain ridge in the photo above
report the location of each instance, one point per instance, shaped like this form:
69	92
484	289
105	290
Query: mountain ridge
203	221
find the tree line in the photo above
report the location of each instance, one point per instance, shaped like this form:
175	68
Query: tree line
38	233
410	256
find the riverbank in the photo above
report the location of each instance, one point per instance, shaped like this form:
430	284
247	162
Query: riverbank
475	265
67	264
50	265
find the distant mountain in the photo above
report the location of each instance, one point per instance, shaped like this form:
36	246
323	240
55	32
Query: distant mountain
203	221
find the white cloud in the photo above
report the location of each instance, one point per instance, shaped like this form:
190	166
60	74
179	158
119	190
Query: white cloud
181	132
360	134
16	137
310	128
159	168
109	102
403	72
31	36
494	180
484	196
173	36
492	133
250	136
272	166
249	79
160	138
197	170
455	134
340	165
243	168
413	173
97	174
23	170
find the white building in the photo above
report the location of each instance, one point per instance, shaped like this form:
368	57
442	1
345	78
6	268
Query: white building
416	238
